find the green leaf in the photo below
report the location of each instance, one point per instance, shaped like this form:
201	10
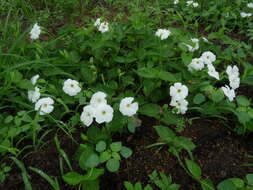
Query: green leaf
88	159
25	84
185	143
104	156
193	168
226	185
138	186
92	161
90	185
126	152
147	72
207	184
100	146
95	134
72	178
53	183
242	101
93	174
148	187
116	146
165	133
112	165
249	178
199	98
239	183
24	173
217	95
128	185
26	181
167	76
152	110
243	117
116	155
89	74
8	119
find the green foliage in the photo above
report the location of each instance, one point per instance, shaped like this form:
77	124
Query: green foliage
162	181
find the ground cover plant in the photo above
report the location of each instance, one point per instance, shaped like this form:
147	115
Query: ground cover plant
126	95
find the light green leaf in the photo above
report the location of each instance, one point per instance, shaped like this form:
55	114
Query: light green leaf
113	165
193	168
100	146
116	146
126	152
72	178
199	98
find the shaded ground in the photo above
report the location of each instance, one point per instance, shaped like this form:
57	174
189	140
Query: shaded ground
219	152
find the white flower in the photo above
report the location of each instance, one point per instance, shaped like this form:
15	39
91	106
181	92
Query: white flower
103	27
208	57
250	5
212	72
195	4
230	93
232	72
44	105
98	22
103	113
196	45
163	33
34	79
196	64
71	87
181	105
244	15
233	76
176	2
87	115
234	83
188	3
35	32
178	91
98	98
34	95
205	39
128	107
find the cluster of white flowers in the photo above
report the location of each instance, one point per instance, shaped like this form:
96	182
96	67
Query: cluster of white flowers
233	76
178	93
234	82
71	87
101	26
192	3
34	95
195	41
98	109
250	5
43	105
35	32
207	58
102	112
163	33
245	15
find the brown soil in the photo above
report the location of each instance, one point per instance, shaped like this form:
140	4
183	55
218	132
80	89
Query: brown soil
219	152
